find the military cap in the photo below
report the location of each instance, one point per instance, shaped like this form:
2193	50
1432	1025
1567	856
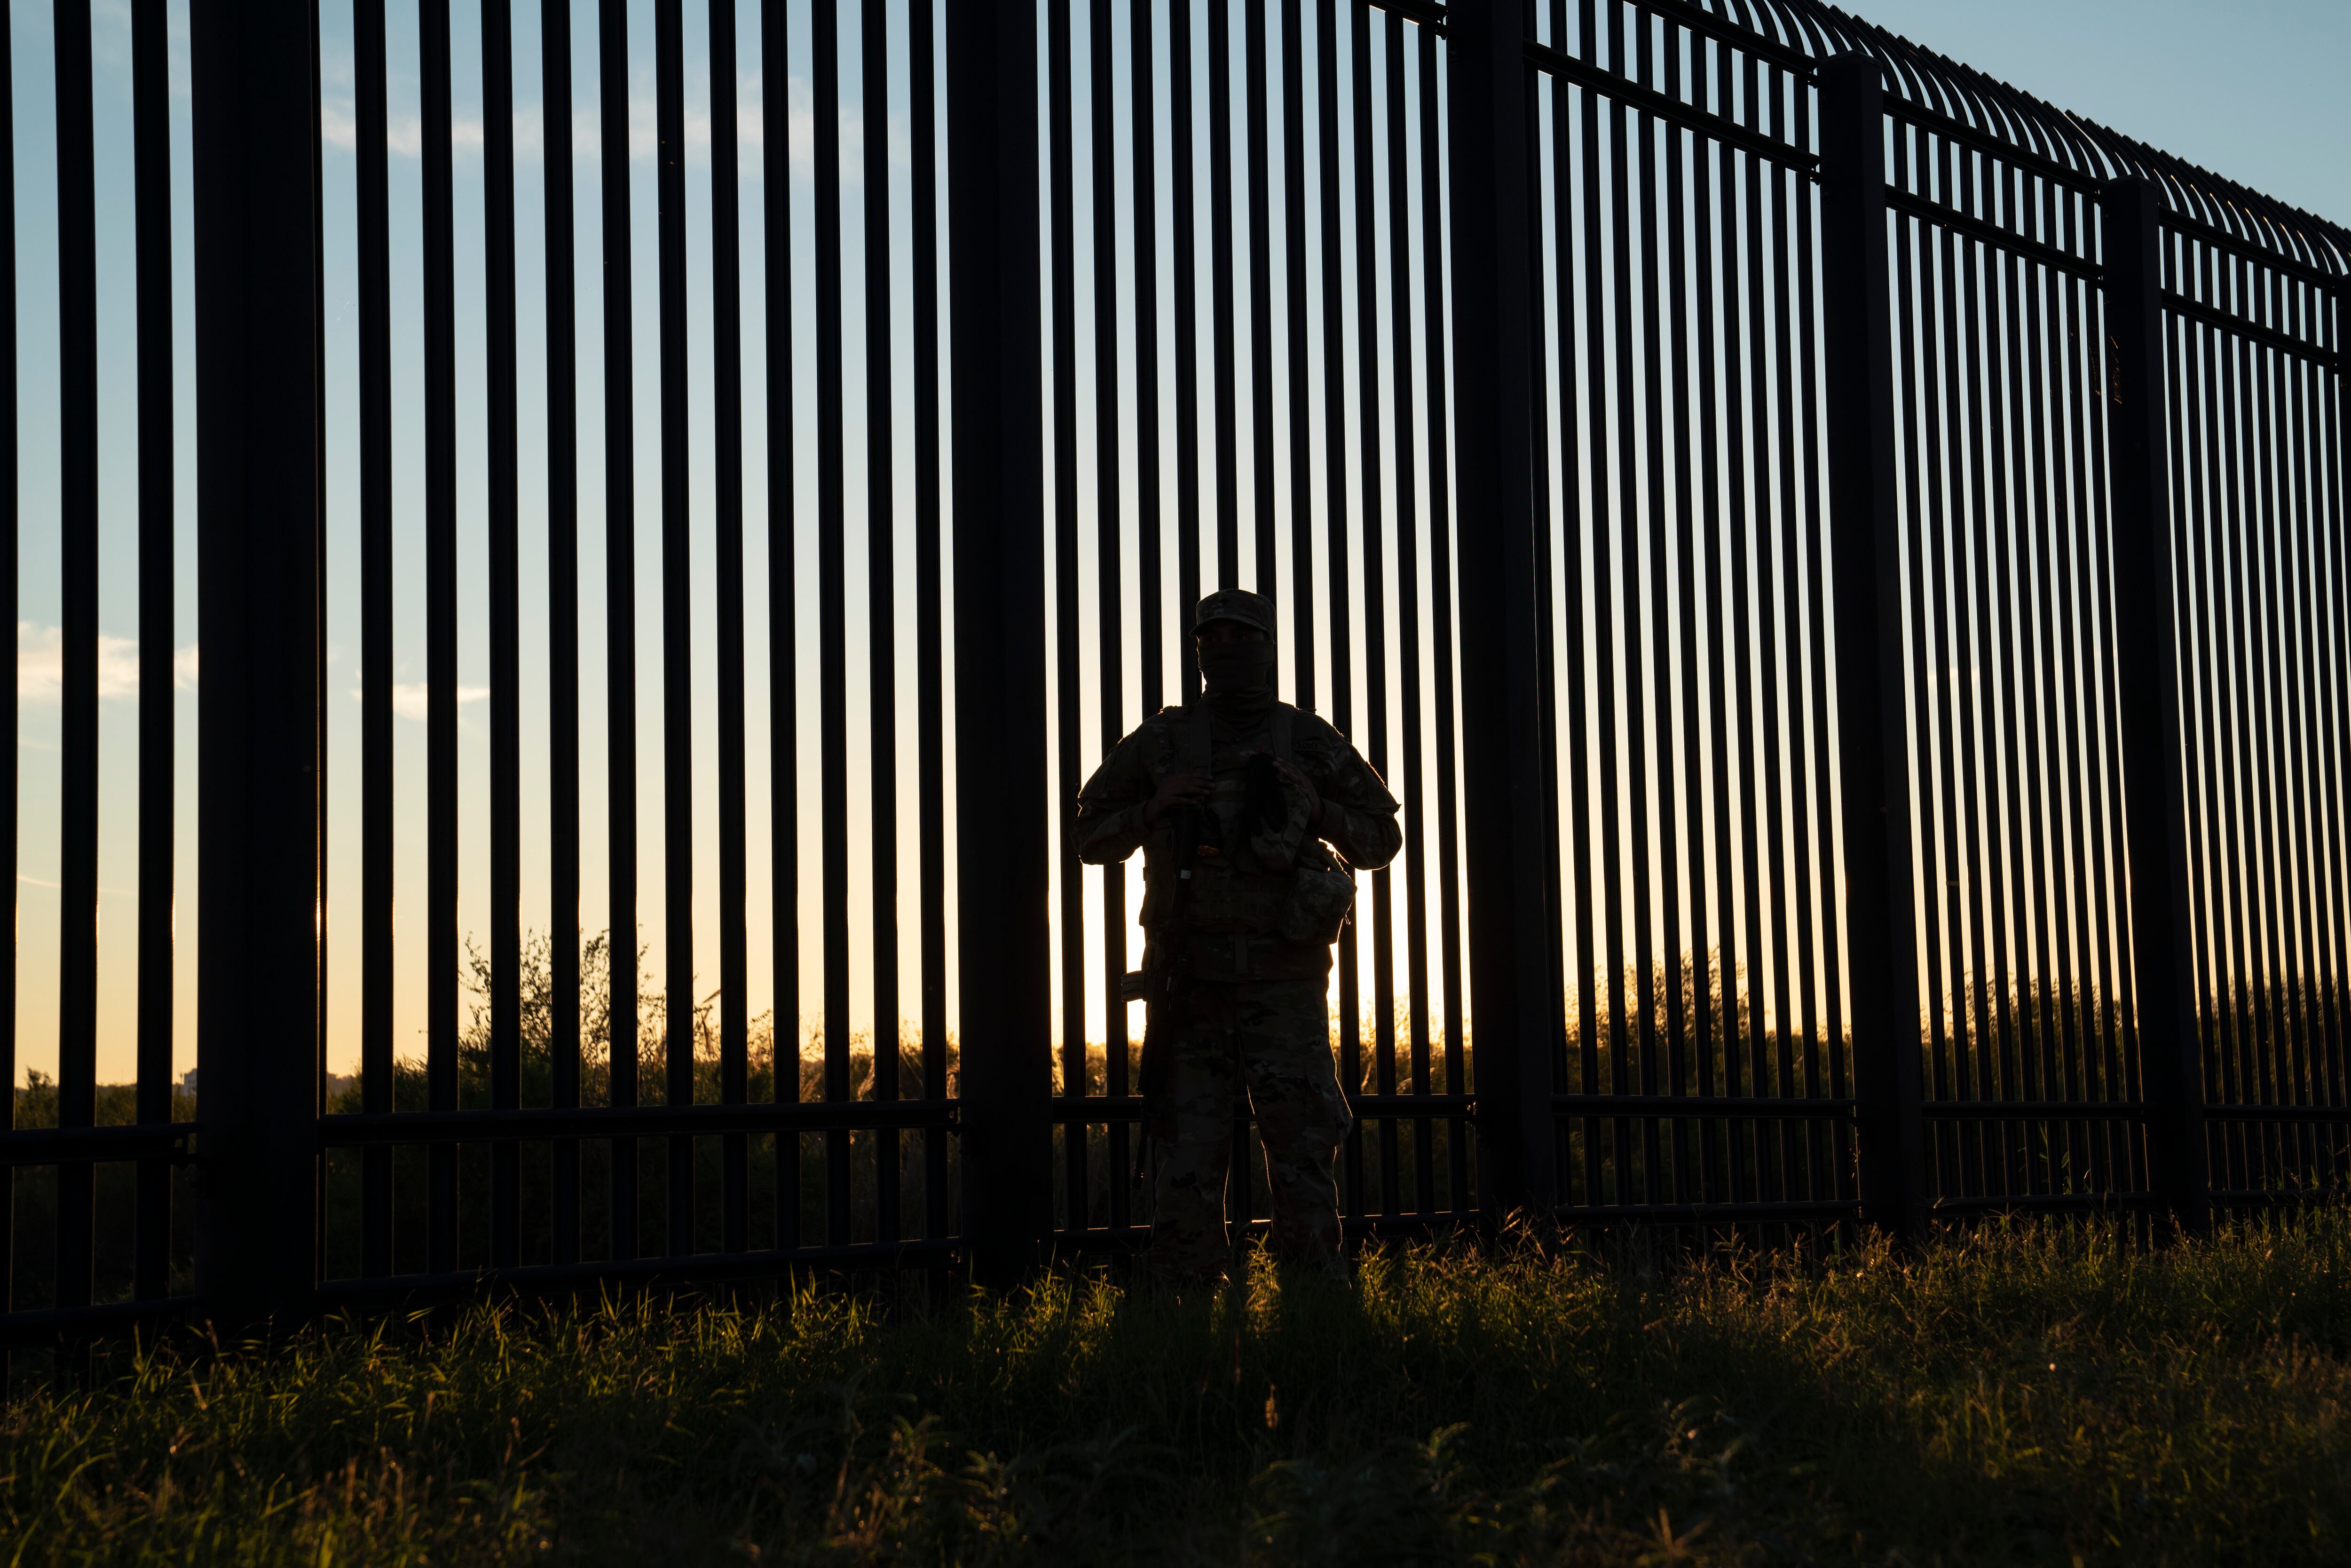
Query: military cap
1236	604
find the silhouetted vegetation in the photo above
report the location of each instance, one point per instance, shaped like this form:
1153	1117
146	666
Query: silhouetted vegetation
535	1199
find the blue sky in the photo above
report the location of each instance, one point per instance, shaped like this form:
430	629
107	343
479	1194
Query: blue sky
2251	90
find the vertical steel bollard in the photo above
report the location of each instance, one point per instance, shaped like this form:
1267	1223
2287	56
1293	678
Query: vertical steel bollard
2146	671
151	193
1513	979
995	286
1872	727
253	65
10	667
2338	301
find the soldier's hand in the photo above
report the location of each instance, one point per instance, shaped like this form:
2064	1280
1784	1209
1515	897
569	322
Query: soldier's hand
1295	776
1176	790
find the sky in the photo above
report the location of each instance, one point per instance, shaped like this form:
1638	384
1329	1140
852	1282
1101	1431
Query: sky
2245	89
2251	90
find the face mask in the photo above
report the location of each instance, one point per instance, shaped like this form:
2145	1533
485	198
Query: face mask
1235	666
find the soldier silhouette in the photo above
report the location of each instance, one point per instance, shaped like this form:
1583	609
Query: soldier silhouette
1253	816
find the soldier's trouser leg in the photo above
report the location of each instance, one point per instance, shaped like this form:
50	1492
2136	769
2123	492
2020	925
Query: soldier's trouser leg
1188	1229
1302	1116
1284	1042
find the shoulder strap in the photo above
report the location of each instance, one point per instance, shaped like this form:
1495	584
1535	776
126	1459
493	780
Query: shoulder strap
1283	714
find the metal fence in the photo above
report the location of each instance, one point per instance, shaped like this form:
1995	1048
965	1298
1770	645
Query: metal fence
1842	563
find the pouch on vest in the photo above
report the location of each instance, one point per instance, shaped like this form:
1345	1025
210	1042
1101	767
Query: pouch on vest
1321	894
1274	811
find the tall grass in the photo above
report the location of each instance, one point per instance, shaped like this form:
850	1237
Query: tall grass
2023	1394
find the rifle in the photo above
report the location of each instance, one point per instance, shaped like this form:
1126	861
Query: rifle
1166	979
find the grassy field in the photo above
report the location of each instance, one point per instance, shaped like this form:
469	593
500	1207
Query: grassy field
2022	1395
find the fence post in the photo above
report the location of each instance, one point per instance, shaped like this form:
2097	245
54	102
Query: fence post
1873	729
995	286
1512	974
252	71
2146	679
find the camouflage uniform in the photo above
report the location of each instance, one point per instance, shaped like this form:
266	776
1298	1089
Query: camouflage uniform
1259	981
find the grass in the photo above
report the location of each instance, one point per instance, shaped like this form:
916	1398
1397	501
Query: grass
2017	1395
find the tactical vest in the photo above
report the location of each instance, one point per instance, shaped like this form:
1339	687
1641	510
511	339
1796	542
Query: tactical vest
1285	888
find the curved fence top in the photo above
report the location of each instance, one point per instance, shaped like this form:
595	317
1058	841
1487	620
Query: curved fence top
2054	141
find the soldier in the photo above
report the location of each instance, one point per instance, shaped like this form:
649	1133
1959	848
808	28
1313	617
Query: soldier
1252	816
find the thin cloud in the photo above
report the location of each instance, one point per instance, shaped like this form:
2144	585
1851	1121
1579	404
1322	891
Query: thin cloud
645	130
413	700
405	134
59	887
41	665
